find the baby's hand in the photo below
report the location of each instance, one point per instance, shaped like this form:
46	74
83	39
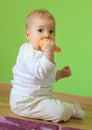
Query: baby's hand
49	46
41	43
63	73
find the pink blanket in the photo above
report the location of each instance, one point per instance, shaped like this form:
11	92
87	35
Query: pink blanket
10	123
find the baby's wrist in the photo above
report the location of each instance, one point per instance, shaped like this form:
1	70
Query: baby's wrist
50	56
49	52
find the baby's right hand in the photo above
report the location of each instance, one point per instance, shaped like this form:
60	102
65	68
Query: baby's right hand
56	49
48	46
48	49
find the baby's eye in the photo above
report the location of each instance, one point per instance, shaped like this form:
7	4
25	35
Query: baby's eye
51	31
40	30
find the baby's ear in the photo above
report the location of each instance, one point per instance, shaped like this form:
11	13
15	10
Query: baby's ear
27	34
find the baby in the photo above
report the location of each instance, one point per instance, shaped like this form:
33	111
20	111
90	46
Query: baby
32	91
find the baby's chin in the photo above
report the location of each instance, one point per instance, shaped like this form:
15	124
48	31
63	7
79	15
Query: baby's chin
38	48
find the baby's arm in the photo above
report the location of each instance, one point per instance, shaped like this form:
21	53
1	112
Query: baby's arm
63	73
48	49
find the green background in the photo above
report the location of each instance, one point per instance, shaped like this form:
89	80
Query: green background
73	34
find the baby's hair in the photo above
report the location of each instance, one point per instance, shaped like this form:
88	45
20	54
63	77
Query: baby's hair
41	13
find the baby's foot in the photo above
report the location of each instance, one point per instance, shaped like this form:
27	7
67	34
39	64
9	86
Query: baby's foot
78	112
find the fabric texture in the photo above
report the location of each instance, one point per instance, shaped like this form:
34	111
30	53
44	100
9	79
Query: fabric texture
44	107
31	72
11	123
31	95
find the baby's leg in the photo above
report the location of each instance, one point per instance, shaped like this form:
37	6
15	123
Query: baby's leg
77	111
56	110
45	108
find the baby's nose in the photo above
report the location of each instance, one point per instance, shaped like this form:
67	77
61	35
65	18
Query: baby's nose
46	37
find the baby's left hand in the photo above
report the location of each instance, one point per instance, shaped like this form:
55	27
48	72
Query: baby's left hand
63	73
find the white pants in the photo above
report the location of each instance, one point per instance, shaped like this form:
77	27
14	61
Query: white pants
42	107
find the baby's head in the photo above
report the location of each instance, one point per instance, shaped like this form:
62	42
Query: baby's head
41	14
39	24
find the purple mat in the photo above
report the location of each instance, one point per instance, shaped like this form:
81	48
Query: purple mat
10	123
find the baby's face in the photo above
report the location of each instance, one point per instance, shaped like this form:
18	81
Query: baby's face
41	28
